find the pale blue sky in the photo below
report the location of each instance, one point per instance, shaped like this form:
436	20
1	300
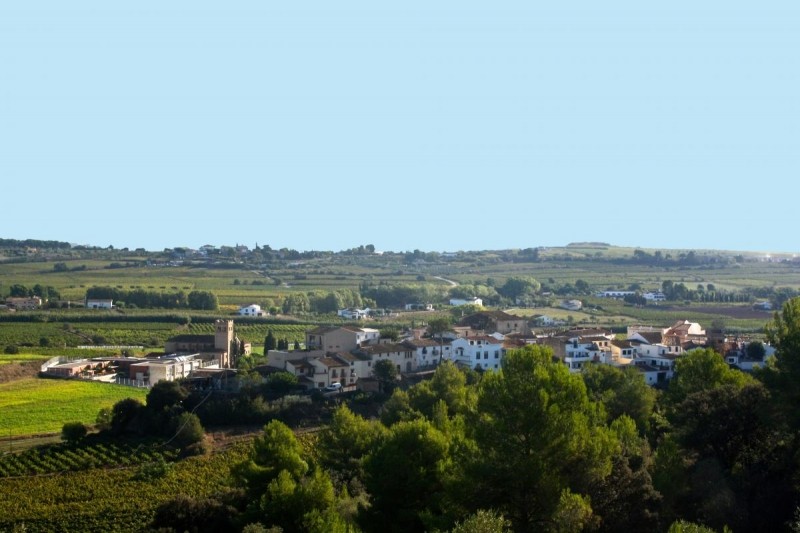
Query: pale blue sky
437	125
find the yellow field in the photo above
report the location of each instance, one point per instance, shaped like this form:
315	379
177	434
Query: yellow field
33	405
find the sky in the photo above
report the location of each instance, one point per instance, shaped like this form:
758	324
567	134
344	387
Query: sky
431	125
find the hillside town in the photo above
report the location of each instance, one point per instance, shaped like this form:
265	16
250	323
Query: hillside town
346	356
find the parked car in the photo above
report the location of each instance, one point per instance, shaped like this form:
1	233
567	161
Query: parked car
333	387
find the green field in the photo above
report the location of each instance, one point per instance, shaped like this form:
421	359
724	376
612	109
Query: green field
30	406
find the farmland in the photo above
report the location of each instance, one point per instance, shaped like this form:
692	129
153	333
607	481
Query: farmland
102	500
33	405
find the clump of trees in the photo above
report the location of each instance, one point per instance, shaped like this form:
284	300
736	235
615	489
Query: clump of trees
163	415
200	300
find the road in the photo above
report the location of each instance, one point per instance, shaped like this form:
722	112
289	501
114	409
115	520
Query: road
450	281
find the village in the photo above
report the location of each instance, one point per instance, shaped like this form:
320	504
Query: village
344	358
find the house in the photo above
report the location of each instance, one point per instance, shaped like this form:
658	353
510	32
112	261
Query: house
466	301
419	307
654	296
581	350
99	304
499	321
763	306
318	369
429	352
615	294
683	331
622	352
480	352
217	379
401	355
545	320
340	339
353	313
24	304
571	305
251	310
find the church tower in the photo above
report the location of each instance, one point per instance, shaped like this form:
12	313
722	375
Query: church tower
223	339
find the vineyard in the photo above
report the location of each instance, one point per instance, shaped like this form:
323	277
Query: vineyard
255	333
65	458
107	500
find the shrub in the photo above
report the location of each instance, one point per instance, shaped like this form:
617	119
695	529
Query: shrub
73	432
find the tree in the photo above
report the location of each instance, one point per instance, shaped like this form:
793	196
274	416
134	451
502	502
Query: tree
204	300
128	416
186	429
539	435
282	382
269	342
755	350
438	327
519	287
164	395
701	370
272	452
404	478
347	440
386	374
73	432
783	378
622	392
483	522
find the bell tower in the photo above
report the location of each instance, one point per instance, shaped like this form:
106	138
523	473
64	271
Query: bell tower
223	337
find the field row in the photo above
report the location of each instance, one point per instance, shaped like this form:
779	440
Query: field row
54	459
107	500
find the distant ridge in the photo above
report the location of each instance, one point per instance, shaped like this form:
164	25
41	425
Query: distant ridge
589	245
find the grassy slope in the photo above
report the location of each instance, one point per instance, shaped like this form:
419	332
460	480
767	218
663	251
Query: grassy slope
34	405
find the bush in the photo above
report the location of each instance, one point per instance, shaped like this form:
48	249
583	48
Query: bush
73	432
12	349
188	430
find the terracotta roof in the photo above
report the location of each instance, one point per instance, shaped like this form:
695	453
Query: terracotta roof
652	337
420	343
208	339
384	348
485	338
622	344
321	330
331	362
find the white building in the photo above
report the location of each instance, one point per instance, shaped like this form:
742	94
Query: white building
483	352
99	304
353	313
167	368
468	301
571	305
656	296
251	310
615	294
427	351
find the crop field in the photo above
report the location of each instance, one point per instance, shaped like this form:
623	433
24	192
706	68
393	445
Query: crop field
22	358
64	457
34	405
107	500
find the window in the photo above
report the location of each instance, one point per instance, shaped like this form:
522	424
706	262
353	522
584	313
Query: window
497	354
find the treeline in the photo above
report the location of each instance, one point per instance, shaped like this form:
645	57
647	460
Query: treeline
198	300
22	291
34	243
323	302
